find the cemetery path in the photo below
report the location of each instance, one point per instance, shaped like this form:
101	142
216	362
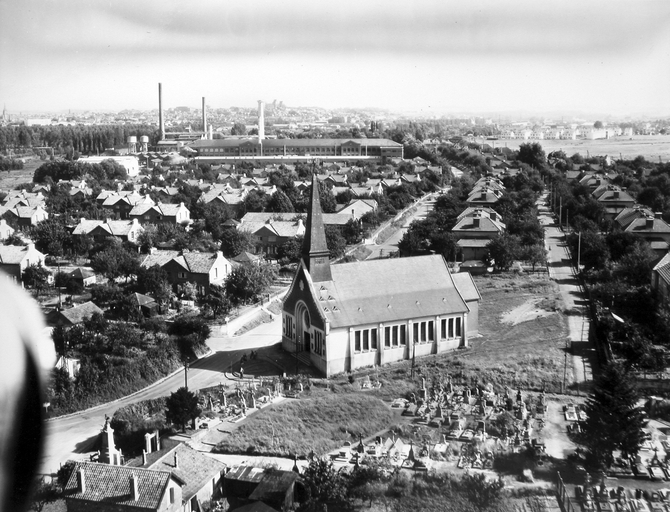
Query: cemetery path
575	305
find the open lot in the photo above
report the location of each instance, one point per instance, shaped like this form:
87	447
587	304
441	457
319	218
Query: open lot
649	146
10	179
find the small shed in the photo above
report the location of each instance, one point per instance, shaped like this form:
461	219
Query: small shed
147	305
86	277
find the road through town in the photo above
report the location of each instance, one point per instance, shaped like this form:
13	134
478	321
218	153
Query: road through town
575	305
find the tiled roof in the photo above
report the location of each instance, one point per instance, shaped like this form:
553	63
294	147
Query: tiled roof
362	293
468	224
200	262
195	468
663	268
648	225
628	215
111	485
12	254
159	258
80	313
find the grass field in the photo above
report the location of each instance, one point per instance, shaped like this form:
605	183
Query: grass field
10	179
523	335
320	420
649	146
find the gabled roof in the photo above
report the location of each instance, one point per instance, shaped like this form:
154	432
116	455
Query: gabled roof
111	485
643	225
194	468
159	258
80	313
13	254
388	290
485	224
81	273
628	215
662	268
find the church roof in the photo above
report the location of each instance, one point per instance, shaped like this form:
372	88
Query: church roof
389	290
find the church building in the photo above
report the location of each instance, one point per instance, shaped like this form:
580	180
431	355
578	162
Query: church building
352	315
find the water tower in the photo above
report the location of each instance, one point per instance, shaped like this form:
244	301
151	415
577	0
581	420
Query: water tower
132	144
144	144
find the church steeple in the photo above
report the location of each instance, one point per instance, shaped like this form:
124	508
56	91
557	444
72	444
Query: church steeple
315	252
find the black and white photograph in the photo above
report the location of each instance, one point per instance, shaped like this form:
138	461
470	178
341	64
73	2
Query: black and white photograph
355	256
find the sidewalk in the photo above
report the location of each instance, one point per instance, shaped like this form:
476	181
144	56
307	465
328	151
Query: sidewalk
582	350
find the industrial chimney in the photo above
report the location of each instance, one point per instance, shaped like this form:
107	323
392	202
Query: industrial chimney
261	121
161	125
204	119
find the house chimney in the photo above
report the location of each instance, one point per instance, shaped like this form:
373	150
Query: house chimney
144	457
658	215
650	223
616	194
133	487
475	222
81	480
176	460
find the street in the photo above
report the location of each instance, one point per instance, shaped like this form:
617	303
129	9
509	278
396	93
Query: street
575	305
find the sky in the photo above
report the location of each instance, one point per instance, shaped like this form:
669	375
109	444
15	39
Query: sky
430	57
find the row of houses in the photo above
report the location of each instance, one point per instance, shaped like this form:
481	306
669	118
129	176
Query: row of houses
564	132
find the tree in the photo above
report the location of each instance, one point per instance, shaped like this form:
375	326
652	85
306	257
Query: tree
536	255
51	236
614	421
36	277
115	261
598	125
238	129
335	241
503	250
324	485
217	301
247	282
182	407
279	202
290	251
45	493
154	281
235	241
531	153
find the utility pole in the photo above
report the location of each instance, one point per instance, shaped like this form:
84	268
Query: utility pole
579	251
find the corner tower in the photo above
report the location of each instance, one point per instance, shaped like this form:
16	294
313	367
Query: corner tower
315	254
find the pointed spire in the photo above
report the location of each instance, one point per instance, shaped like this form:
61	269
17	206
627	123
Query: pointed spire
315	252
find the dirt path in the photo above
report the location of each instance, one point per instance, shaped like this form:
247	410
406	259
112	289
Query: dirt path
574	301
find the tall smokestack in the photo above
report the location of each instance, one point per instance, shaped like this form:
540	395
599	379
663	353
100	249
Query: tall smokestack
261	121
161	126
204	119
